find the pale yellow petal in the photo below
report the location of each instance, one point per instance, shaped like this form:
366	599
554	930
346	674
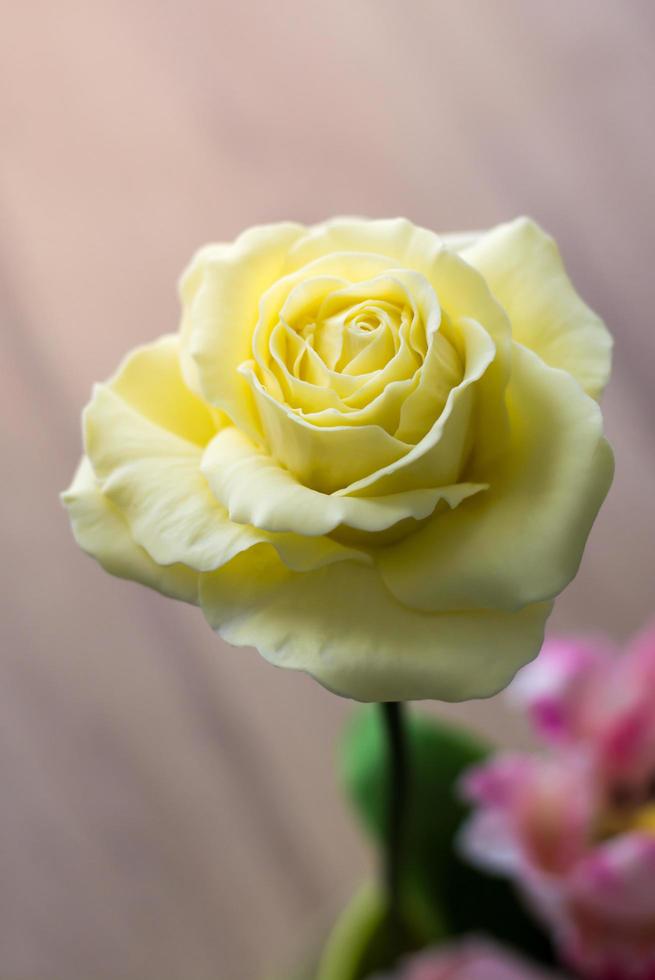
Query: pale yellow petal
383	411
102	531
323	457
437	460
460	290
220	294
447	281
407	244
343	627
150	380
457	241
524	270
522	540
465	298
311	282
154	478
292	370
440	373
256	490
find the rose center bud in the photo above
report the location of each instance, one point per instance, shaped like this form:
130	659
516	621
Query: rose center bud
352	375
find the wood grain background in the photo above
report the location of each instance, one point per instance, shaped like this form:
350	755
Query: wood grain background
168	807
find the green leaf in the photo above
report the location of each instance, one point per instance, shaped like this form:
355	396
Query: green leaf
463	899
352	935
437	754
361	943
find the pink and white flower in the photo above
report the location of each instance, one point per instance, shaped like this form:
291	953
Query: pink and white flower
576	828
585	693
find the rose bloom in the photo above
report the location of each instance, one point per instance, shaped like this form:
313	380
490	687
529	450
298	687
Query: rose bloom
470	960
576	828
370	452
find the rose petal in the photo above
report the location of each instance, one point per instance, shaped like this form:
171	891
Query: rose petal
524	270
396	238
153	477
439	457
102	532
522	540
220	293
340	625
326	458
149	378
256	490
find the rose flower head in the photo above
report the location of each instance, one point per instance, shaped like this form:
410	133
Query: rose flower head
372	453
575	828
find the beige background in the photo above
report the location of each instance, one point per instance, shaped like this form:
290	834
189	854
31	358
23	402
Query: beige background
168	809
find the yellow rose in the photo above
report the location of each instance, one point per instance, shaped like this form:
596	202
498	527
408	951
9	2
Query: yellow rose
370	452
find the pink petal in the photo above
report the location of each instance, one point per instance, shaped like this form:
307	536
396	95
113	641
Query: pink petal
642	653
611	930
553	686
531	812
617	879
488	840
554	813
495	783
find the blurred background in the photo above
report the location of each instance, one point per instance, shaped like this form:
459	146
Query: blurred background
168	805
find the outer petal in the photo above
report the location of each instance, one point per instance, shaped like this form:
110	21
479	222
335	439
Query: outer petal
150	380
101	531
396	238
524	270
522	540
457	241
256	490
220	292
341	625
153	477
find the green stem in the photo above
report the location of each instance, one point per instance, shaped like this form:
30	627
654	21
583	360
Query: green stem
396	809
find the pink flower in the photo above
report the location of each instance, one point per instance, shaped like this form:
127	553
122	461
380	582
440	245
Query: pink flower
576	828
471	960
582	692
